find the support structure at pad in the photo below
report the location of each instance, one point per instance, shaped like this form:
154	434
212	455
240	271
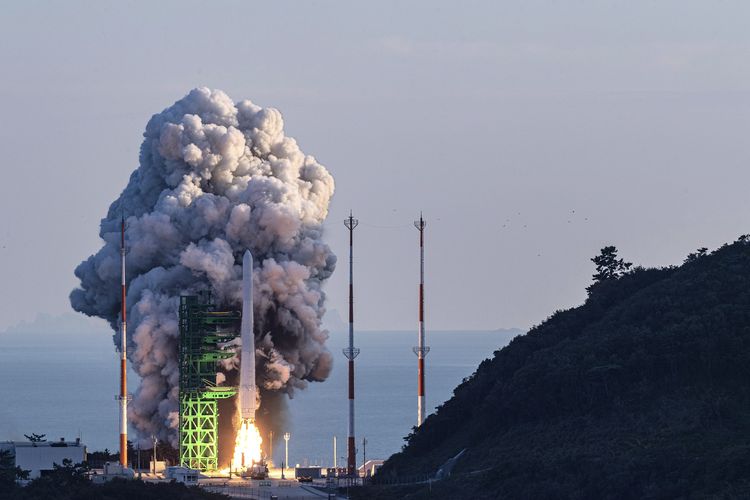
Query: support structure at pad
203	335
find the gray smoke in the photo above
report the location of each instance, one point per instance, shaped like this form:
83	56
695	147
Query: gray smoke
215	178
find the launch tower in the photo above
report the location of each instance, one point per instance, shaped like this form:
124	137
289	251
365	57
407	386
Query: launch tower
202	332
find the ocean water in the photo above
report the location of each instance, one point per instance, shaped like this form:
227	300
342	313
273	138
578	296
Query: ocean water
65	386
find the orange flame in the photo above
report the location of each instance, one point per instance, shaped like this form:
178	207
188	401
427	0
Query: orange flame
247	446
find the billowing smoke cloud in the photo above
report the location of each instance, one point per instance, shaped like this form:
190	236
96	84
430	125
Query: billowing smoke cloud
215	178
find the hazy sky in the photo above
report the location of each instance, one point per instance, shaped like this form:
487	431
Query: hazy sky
530	133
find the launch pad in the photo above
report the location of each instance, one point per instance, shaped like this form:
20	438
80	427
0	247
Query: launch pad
202	332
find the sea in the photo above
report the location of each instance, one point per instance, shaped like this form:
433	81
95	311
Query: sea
64	385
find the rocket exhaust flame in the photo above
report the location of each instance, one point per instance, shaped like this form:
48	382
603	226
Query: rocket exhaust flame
247	447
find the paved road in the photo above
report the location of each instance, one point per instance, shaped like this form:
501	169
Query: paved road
263	490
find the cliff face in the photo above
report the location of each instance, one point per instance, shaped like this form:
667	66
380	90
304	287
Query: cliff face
641	392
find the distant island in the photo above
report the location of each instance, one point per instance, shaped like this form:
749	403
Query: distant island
641	392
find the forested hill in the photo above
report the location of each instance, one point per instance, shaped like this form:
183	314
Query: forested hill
641	392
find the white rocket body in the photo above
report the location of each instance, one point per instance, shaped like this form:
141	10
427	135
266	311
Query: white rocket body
247	361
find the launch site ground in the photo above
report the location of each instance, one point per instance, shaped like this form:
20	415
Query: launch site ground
273	487
266	489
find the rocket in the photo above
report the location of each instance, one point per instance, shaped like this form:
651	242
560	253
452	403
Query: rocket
247	359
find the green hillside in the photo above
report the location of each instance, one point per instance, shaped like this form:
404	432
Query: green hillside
641	392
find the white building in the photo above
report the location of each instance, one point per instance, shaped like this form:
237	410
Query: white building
183	475
39	458
370	468
112	470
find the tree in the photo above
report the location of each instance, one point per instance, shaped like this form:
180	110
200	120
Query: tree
701	252
9	472
35	438
68	476
608	266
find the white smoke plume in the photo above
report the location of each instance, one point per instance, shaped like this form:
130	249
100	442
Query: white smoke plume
215	178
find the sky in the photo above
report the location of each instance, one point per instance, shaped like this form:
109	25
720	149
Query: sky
529	133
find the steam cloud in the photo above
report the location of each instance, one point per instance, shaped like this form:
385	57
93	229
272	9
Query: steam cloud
215	178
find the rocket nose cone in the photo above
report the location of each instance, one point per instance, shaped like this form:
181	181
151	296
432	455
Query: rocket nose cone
247	259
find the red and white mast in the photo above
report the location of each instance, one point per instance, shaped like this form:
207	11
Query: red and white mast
123	397
351	352
421	350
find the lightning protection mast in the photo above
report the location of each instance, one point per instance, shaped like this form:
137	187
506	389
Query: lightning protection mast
351	352
421	350
123	397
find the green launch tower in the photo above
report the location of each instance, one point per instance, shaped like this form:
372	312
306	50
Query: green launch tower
203	332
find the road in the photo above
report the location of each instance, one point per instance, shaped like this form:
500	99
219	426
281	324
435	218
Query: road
263	490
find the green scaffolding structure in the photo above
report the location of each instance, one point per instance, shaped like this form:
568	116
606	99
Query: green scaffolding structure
203	332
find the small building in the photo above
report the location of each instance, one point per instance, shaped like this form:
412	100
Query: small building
370	468
313	472
336	472
112	470
159	467
40	457
183	475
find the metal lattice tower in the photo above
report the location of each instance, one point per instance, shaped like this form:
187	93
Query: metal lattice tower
351	352
421	349
202	330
